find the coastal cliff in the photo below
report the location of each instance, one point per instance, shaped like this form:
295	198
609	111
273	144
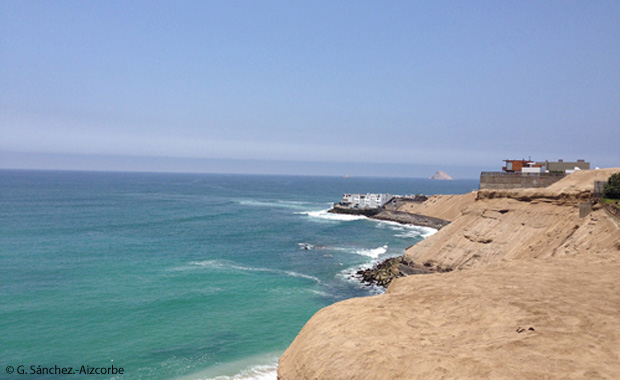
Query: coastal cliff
533	294
521	224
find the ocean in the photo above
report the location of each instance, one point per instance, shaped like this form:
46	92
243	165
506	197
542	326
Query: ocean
179	276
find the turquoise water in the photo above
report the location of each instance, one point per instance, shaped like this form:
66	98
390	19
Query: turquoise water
179	275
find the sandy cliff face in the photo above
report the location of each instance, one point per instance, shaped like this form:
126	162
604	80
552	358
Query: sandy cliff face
520	224
473	324
540	299
446	207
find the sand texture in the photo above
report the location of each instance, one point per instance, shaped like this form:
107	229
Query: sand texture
535	295
446	207
521	224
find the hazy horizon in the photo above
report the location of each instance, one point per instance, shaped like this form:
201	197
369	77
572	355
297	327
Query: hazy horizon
135	164
395	88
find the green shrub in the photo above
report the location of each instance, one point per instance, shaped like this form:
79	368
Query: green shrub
612	187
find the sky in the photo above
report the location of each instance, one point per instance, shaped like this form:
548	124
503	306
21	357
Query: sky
375	88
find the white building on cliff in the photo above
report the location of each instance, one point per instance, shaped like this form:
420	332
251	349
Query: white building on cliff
364	201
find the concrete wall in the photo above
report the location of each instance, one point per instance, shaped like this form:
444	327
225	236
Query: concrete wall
501	180
599	188
563	166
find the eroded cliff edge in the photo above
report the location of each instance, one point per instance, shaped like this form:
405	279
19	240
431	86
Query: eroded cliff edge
535	294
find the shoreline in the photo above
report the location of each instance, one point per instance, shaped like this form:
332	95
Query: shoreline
401	217
383	272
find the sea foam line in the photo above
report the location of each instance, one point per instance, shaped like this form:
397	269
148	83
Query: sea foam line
324	214
231	266
408	230
369	252
259	372
412	230
274	203
244	369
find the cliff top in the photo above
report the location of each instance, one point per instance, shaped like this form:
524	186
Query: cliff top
579	184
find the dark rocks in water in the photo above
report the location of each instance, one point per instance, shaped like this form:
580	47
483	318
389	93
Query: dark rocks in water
384	272
338	209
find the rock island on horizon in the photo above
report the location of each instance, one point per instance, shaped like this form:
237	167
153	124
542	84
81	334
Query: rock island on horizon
441	175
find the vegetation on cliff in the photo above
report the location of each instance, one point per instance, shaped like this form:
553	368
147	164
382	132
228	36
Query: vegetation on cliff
612	187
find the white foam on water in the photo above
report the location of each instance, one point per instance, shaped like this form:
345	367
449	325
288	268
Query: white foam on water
374	252
428	232
368	252
275	203
245	369
259	372
422	232
342	249
227	265
301	275
297	291
319	292
231	266
350	275
324	215
408	230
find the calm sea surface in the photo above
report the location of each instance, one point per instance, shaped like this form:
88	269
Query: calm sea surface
179	275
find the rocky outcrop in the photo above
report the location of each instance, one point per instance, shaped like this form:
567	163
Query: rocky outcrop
539	299
392	214
337	209
386	271
410	218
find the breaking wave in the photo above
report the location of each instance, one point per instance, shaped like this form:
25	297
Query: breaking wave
243	370
323	214
259	372
350	275
406	230
374	252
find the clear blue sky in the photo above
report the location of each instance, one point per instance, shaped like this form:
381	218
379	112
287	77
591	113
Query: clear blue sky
320	87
